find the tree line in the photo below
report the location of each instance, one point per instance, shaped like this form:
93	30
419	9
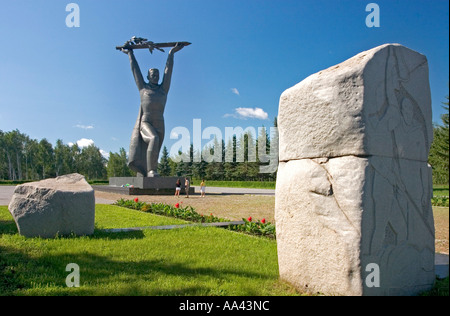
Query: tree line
23	158
239	159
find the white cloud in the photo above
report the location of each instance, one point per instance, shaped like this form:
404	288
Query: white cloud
84	142
84	126
235	91
104	153
244	113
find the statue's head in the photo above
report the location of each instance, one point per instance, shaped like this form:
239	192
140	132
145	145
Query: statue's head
153	75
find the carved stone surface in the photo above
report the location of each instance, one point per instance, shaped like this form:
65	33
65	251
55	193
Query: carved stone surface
370	104
62	206
353	185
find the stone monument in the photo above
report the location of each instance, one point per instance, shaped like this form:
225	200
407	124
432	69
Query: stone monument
148	132
51	207
353	198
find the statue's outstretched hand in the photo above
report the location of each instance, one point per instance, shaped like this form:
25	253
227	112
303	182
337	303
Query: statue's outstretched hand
176	48
126	51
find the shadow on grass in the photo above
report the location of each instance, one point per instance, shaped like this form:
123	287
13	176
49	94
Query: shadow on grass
8	227
101	275
27	267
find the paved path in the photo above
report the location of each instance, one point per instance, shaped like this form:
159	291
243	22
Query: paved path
240	191
7	191
441	264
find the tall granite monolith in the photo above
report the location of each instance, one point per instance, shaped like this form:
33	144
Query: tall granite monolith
353	197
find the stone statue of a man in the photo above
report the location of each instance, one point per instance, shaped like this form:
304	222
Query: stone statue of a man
148	132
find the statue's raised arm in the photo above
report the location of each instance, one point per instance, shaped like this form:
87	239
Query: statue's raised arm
169	67
135	68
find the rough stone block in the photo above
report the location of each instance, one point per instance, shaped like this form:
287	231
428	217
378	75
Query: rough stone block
375	103
51	207
353	185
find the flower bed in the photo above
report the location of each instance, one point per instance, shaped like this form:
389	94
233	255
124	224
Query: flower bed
261	228
440	201
188	213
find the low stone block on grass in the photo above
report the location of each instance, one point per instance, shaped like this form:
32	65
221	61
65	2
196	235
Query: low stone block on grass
51	207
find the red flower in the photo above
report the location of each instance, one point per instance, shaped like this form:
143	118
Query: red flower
249	219
263	221
177	205
136	199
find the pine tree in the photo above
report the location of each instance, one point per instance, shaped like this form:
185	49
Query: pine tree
164	165
439	151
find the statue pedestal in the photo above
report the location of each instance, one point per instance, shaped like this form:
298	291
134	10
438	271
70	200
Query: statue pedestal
144	185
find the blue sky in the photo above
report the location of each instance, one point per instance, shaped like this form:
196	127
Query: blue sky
67	83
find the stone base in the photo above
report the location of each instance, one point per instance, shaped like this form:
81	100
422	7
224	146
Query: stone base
144	186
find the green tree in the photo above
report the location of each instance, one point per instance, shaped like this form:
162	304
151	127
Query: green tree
3	165
31	159
75	157
247	167
199	168
439	151
164	168
11	145
173	166
230	159
184	166
92	163
118	164
62	158
45	157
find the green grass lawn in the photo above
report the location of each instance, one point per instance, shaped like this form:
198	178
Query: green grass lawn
440	190
189	261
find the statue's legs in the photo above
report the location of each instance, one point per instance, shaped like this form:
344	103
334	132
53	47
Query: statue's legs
153	135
